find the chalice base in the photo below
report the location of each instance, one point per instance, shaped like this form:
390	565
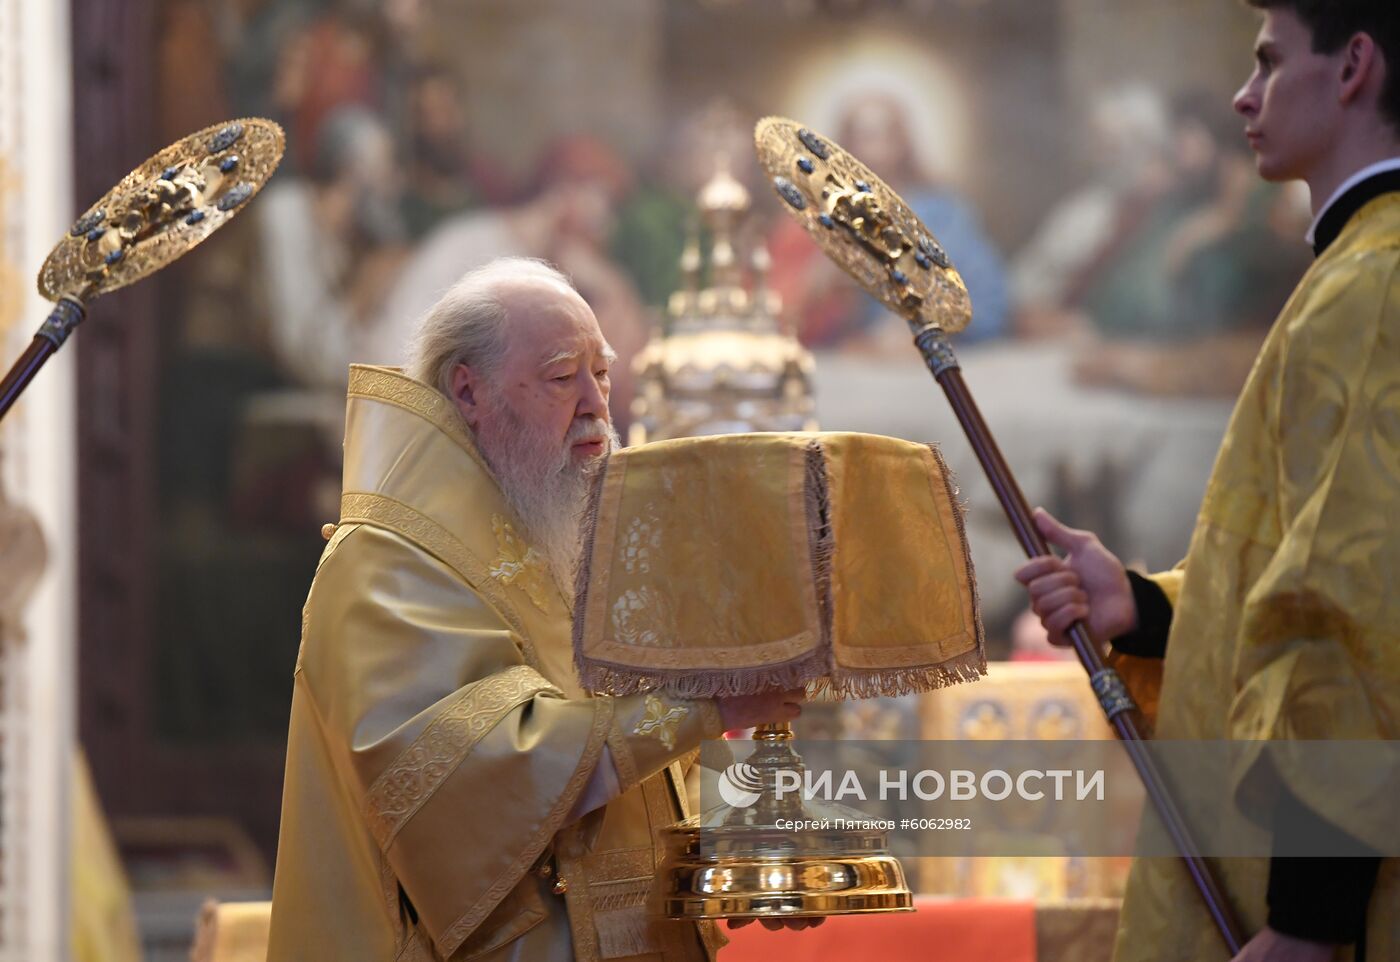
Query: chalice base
734	862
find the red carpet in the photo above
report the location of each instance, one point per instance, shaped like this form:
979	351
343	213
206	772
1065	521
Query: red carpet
961	930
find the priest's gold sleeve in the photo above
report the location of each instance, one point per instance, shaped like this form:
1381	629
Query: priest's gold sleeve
462	760
1319	638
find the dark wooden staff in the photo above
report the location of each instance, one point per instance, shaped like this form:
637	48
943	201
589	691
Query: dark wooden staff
66	315
1112	693
866	228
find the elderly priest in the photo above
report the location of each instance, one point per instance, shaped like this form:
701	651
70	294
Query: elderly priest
451	791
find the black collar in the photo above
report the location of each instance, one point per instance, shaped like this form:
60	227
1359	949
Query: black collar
1356	197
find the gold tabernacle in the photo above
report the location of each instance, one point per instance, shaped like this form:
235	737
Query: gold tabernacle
724	363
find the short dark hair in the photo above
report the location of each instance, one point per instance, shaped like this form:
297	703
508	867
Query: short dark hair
1334	22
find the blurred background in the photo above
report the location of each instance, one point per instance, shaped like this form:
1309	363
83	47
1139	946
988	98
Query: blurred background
1077	158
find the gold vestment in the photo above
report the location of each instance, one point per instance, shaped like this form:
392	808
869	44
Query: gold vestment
1286	620
439	739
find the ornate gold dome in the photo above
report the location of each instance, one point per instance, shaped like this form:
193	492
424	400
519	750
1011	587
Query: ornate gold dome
725	364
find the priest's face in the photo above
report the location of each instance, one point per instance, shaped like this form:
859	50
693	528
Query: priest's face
552	382
541	417
1290	101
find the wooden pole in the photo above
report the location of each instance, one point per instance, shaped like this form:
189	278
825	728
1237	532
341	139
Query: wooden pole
66	315
1113	695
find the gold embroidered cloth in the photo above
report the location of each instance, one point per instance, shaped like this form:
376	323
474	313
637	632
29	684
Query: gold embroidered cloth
1286	621
731	564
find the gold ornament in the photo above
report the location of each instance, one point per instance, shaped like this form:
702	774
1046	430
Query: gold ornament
863	226
155	214
163	208
725	363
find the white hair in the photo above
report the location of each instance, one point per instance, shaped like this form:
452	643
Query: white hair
467	324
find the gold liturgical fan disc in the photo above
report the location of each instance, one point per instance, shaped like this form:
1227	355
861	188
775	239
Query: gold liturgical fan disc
163	208
157	213
863	225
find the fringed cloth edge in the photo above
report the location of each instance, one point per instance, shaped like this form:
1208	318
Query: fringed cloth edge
950	486
689	683
822	547
811	672
892	682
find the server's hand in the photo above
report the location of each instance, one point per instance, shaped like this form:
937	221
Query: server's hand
1088	584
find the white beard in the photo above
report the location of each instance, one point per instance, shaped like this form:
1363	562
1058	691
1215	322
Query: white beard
544	485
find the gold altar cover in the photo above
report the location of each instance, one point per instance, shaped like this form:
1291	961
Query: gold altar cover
1287	623
439	738
726	565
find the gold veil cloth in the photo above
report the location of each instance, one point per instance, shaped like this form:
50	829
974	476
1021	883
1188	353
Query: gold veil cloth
727	565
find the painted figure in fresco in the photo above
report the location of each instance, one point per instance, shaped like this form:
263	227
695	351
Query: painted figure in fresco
1182	306
1128	134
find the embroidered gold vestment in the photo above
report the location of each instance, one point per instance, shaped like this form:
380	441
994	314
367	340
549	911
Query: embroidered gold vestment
1286	621
439	739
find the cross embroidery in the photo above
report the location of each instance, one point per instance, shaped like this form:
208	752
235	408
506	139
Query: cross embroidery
661	721
519	564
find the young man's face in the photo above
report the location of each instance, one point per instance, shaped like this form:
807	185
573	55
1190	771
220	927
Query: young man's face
1290	102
